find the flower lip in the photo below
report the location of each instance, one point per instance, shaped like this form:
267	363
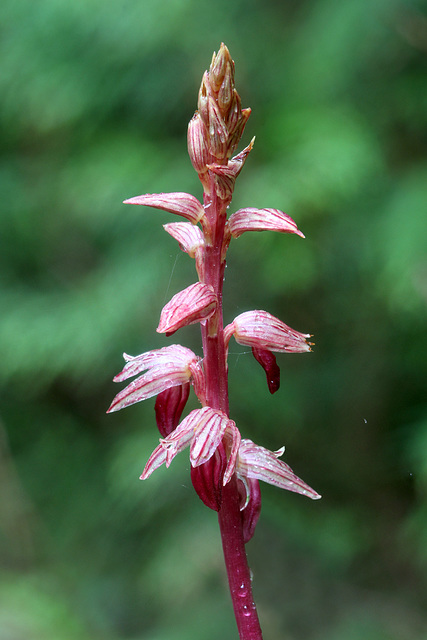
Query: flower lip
267	360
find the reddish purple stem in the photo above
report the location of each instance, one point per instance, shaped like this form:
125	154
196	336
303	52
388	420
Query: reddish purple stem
215	367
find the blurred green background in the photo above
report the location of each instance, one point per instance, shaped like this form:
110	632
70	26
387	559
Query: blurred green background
95	100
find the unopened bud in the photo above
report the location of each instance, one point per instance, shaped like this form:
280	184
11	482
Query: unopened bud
218	67
225	94
202	103
198	144
218	134
238	132
235	111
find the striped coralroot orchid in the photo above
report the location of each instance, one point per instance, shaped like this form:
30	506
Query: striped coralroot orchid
225	470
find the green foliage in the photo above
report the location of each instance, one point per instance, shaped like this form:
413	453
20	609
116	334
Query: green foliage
95	101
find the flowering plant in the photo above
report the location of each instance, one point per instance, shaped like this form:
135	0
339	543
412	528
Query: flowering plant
225	469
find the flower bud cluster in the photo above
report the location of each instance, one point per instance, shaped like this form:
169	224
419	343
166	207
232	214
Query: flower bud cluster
217	126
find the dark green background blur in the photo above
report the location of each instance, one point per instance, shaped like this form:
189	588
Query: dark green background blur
95	100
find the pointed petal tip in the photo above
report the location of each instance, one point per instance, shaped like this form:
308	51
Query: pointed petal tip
111	408
308	492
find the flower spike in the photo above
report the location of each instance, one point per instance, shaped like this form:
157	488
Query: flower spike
194	304
225	470
261	330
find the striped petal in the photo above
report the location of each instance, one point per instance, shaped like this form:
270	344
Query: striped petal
233	435
251	219
179	355
189	236
156	380
183	204
195	303
258	463
261	330
157	458
209	431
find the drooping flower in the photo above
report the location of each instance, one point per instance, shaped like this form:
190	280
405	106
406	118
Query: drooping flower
257	463
167	367
194	304
262	330
203	430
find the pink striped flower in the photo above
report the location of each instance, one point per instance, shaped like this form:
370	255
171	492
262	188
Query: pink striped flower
189	236
261	330
191	240
194	304
251	219
202	430
257	463
198	146
168	367
183	204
